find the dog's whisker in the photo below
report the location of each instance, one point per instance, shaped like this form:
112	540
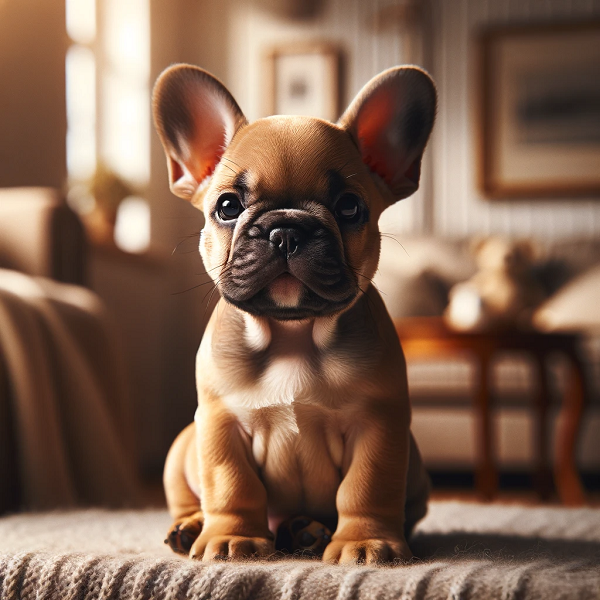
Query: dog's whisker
231	161
357	272
392	237
217	267
204	282
185	239
209	298
230	168
192	288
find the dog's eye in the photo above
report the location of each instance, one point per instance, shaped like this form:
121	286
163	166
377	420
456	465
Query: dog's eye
229	207
347	208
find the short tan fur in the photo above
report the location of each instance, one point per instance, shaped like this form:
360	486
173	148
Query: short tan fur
302	393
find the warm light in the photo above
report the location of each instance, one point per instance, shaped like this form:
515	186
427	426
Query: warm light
108	112
125	138
126	37
81	20
132	230
81	112
465	309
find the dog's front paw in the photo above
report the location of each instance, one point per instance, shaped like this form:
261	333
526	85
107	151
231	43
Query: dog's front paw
373	551
223	547
184	532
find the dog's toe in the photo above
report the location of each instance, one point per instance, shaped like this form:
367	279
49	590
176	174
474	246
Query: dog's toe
183	533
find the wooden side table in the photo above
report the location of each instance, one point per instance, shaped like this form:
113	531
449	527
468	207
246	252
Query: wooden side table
424	337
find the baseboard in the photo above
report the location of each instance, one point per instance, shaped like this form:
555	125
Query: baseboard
508	480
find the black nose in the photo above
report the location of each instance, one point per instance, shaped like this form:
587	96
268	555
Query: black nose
286	239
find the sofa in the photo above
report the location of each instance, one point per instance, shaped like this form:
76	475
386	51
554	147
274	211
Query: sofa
64	429
415	277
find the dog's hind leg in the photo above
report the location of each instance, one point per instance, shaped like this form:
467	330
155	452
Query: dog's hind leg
418	489
180	474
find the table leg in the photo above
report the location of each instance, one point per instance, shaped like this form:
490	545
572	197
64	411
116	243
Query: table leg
542	477
568	484
486	478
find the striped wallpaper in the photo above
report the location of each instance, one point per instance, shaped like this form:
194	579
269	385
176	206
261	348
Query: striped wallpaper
458	208
371	38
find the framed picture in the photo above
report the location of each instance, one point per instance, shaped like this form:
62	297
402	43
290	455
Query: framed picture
540	111
304	80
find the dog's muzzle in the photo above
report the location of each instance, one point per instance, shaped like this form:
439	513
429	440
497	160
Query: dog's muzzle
288	266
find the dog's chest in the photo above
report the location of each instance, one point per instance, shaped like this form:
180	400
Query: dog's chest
291	370
298	450
288	410
281	382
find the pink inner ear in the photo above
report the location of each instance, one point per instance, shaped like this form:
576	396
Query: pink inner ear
176	170
213	129
373	125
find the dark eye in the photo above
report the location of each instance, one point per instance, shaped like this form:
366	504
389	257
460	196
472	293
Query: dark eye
347	208
229	207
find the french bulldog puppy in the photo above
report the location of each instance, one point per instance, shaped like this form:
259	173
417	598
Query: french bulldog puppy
302	394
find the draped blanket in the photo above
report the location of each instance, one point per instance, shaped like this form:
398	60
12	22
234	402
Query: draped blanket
464	551
64	433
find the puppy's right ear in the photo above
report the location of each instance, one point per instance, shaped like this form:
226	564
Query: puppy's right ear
196	119
390	121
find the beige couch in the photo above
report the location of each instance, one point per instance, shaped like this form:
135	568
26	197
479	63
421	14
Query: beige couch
415	276
64	432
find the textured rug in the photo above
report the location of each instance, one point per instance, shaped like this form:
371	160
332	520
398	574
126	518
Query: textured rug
465	551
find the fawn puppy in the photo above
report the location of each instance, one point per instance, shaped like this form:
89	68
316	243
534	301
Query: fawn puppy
302	394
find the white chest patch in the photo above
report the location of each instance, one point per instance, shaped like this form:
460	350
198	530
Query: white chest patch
286	379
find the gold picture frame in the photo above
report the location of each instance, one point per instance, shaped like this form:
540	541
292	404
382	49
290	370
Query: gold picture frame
304	79
539	131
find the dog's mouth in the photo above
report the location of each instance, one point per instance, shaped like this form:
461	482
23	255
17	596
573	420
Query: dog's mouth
313	282
286	291
287	298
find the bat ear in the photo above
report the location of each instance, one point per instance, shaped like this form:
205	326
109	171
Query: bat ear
196	118
390	121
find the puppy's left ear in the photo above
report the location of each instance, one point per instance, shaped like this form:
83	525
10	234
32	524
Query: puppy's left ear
196	118
390	121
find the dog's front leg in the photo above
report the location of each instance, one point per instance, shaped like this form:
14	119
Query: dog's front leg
370	499
233	498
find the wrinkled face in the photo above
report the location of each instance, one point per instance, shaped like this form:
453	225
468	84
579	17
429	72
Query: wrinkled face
291	220
292	203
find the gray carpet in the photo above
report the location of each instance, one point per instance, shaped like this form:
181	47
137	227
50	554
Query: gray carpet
465	551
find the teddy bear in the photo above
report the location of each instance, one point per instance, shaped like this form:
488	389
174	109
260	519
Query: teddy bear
503	292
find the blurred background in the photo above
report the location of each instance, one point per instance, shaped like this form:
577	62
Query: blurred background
76	134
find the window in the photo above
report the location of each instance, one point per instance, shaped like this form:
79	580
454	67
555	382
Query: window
108	110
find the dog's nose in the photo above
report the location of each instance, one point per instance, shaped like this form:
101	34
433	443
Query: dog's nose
286	239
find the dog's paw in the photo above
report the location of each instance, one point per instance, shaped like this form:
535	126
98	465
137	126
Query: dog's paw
223	547
302	534
184	532
368	552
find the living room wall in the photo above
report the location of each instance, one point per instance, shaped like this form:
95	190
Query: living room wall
372	37
33	118
459	208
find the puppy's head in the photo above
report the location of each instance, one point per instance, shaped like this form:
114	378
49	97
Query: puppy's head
292	203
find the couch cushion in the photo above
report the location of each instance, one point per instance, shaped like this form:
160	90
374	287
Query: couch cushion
574	307
416	272
41	235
